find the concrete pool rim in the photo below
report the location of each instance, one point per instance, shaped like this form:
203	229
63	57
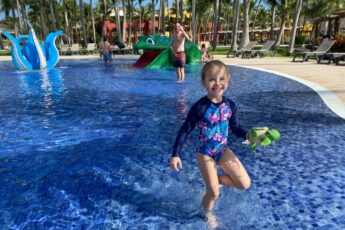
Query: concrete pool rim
327	96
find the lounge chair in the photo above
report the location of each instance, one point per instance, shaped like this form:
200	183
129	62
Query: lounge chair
321	50
265	49
247	48
91	48
75	49
64	49
332	57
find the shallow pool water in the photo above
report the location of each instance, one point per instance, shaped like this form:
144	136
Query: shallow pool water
86	146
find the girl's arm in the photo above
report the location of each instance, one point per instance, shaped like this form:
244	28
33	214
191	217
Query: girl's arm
187	127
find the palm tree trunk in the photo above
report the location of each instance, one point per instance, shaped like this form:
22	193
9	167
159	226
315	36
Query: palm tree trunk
294	25
83	23
193	20
118	21
140	32
56	13
215	24
20	17
272	22
181	10
153	17
177	10
245	35
281	31
42	19
75	22
130	22
51	10
67	29
124	21
235	19
93	22
256	14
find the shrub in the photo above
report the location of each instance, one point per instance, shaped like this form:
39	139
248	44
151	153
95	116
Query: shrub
300	40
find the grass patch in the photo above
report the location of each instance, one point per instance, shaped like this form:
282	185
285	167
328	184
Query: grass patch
5	52
282	52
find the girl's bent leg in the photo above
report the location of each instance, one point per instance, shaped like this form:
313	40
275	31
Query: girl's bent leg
208	170
236	174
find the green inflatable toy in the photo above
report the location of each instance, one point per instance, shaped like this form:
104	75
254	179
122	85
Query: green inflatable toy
157	52
261	136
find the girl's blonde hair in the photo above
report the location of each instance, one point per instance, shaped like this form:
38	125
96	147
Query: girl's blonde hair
211	64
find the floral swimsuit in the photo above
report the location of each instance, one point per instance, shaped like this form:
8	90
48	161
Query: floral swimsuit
214	121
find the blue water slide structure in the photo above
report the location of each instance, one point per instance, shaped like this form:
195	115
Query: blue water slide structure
33	54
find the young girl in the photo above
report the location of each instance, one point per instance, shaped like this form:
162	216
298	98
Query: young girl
214	115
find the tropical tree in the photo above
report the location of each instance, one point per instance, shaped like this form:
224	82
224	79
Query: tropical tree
93	22
118	25
124	21
83	23
215	24
153	16
297	12
235	19
20	17
6	6
245	33
52	14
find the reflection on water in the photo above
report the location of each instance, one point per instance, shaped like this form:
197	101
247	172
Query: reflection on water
181	104
42	87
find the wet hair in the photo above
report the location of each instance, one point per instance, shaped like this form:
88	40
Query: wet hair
211	64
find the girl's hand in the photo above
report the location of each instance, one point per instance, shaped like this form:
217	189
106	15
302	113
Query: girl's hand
175	164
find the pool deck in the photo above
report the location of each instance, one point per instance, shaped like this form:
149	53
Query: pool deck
327	80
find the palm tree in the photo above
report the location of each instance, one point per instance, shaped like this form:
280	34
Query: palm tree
153	17
162	16
140	16
118	22
52	14
235	19
294	25
177	10
256	14
6	6
124	21
93	22
193	20
245	34
83	23
20	17
215	24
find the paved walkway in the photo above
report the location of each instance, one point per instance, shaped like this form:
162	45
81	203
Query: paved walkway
327	80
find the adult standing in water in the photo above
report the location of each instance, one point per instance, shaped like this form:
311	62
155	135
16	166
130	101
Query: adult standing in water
178	38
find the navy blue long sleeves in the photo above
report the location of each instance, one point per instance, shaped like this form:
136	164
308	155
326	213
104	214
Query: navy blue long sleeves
206	114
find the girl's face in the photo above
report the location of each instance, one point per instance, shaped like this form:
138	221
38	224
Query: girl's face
216	82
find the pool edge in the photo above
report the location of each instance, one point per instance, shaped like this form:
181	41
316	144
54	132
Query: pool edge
327	96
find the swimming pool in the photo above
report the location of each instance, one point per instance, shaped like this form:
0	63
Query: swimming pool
86	146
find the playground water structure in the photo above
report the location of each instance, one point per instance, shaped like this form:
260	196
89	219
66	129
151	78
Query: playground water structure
86	145
157	52
33	54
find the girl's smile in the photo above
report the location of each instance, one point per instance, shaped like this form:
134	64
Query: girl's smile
216	82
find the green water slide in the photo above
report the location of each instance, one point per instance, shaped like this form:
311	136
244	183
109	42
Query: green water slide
157	52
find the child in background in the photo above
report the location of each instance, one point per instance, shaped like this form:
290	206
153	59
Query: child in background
106	50
205	56
215	115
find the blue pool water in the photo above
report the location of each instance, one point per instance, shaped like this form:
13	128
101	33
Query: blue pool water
86	146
